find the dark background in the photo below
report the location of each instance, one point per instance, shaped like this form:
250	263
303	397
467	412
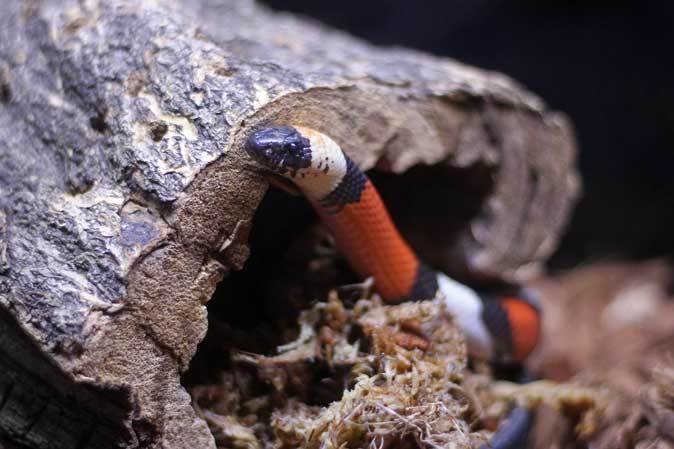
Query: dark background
608	65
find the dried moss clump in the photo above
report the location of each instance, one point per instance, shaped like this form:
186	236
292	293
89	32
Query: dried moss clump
644	424
374	376
410	395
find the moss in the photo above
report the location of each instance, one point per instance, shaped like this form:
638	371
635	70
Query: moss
384	393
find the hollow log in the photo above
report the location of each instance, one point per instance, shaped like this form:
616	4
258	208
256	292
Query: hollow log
125	196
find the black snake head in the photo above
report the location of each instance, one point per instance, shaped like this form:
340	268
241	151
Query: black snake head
280	148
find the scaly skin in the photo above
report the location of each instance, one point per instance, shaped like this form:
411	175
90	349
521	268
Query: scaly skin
501	328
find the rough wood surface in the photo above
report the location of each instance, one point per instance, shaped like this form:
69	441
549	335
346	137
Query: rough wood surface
125	195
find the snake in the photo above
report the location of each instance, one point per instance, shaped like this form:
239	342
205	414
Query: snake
498	328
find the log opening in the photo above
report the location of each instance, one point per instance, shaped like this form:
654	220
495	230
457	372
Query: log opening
293	263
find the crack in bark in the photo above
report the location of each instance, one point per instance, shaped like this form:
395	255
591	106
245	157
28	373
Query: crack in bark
34	419
86	437
5	395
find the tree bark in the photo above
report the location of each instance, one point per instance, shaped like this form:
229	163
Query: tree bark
125	195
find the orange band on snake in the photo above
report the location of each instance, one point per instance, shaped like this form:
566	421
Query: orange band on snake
500	328
363	234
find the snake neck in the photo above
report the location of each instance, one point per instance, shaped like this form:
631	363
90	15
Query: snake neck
328	167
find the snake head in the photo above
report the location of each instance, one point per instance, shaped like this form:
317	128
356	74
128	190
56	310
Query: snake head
280	148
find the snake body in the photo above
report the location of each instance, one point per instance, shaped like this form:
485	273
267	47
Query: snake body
497	328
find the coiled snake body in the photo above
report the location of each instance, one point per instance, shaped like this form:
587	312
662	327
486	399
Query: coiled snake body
502	329
499	328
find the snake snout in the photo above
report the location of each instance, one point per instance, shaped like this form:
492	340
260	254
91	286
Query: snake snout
281	148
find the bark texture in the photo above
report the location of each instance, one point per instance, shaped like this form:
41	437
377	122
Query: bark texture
125	195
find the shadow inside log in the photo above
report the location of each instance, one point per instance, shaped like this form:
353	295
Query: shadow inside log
41	407
256	309
432	204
